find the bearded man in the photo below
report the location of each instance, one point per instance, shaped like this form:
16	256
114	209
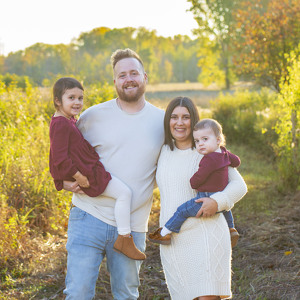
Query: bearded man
127	133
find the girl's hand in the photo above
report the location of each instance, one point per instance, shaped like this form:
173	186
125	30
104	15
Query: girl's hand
209	207
81	179
72	186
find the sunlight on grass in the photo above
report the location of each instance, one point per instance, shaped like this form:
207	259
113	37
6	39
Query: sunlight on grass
259	175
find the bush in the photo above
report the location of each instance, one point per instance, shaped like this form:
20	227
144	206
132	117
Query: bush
98	93
15	80
287	127
247	118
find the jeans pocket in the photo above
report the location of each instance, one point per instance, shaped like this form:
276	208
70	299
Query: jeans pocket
76	214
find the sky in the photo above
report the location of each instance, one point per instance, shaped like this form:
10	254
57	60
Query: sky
26	22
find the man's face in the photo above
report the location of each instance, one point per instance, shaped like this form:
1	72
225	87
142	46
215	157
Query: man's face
130	79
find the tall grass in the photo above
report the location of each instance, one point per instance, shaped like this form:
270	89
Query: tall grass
29	201
29	204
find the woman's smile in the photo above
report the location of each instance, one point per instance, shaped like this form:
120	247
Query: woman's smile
180	126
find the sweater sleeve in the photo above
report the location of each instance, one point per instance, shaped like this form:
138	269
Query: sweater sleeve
59	136
234	160
206	167
59	184
234	191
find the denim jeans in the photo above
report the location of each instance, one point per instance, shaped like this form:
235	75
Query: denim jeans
89	240
190	208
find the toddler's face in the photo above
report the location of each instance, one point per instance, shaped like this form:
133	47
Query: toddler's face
206	141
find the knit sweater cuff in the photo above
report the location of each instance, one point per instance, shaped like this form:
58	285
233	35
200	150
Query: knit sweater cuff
222	200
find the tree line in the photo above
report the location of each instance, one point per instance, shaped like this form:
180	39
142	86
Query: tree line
236	40
171	59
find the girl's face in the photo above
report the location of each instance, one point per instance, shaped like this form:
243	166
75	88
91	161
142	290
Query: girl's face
72	102
206	141
180	126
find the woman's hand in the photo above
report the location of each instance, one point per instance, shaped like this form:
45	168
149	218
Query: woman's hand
209	207
72	186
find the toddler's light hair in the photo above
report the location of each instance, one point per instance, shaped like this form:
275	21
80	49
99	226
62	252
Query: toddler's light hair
215	126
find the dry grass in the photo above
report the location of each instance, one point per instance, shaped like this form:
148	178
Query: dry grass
191	86
161	94
265	262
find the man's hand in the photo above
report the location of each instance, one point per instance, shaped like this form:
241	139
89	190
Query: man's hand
72	186
82	180
209	207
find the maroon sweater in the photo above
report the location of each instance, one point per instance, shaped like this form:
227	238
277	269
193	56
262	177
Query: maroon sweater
70	152
212	175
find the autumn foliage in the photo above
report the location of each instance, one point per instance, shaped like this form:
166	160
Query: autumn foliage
267	31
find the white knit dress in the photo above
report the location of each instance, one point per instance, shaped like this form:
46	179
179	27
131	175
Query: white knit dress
198	261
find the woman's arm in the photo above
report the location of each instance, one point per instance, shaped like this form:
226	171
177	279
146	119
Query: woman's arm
233	192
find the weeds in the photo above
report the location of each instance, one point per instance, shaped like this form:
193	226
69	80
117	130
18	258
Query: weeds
29	205
33	216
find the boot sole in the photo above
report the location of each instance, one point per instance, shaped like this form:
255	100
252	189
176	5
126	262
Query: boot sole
127	255
160	242
234	240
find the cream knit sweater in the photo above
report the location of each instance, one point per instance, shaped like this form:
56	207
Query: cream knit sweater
198	261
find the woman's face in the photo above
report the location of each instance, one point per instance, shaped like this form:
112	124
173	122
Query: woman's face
180	126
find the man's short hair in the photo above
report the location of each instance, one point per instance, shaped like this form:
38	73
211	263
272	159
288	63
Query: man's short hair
124	53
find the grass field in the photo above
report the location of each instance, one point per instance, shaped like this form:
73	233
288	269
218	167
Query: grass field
266	261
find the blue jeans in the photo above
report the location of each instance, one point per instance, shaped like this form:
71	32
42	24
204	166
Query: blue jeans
89	240
190	209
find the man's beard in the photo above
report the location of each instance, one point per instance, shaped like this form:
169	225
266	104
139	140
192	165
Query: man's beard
131	97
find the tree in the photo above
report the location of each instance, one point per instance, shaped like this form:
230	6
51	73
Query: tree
14	63
166	71
268	31
209	63
43	61
88	57
93	41
288	123
216	27
2	59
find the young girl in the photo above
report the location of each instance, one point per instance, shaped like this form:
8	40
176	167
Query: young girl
72	158
211	177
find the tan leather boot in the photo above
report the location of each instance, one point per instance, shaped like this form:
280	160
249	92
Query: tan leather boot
126	246
157	238
234	236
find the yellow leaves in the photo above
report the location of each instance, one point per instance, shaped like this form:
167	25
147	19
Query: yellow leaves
264	130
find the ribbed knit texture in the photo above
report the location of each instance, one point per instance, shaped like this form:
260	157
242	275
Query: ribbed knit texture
198	261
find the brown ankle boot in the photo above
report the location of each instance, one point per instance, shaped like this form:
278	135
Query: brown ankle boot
234	236
126	246
156	237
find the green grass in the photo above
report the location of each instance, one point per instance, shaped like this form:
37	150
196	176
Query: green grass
266	260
